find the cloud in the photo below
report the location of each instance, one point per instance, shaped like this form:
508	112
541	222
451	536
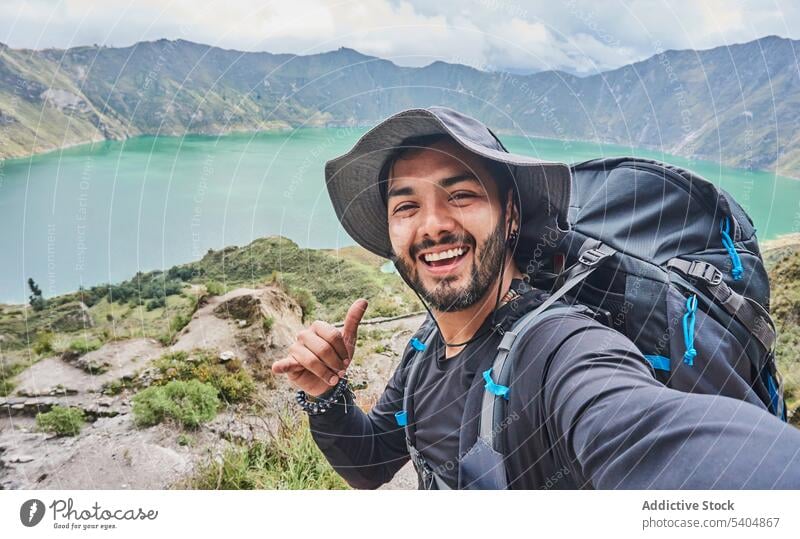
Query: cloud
581	36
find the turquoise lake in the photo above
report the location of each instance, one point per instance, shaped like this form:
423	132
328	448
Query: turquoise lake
101	212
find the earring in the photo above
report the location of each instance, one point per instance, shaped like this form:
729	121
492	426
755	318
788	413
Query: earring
512	238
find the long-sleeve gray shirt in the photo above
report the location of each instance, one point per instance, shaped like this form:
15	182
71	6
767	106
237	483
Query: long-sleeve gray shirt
590	415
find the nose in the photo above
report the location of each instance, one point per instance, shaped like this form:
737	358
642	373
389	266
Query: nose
436	220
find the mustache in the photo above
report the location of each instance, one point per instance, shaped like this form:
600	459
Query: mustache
445	240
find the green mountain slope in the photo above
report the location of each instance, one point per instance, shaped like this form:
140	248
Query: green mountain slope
739	104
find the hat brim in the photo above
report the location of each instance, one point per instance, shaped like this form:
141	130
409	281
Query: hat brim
543	187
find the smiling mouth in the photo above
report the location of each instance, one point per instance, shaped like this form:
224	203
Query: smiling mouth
444	259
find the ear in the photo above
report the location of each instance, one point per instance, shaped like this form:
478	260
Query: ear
511	210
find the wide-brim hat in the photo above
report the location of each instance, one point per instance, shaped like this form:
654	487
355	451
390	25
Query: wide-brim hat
542	187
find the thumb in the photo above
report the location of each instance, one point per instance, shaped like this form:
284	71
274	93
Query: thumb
351	321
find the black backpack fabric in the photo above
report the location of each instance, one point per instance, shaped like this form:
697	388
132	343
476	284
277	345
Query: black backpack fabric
663	256
686	284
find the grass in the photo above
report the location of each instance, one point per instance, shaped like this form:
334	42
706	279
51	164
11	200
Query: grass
381	348
266	323
290	460
785	307
60	420
189	404
115	387
184	439
56	327
9	369
84	345
176	324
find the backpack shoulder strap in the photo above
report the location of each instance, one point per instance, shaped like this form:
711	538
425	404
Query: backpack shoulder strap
420	342
493	411
498	377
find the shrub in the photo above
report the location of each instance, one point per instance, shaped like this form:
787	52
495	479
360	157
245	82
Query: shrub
179	322
61	420
156	303
6	387
188	403
305	299
215	288
235	387
384	306
174	366
115	387
232	382
183	273
84	346
43	344
166	338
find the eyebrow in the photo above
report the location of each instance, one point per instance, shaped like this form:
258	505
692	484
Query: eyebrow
444	182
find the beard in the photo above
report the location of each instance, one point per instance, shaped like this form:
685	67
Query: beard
446	297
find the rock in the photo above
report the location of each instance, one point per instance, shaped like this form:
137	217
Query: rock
18	406
93	364
10	485
61	390
50	391
227	355
20	459
245	307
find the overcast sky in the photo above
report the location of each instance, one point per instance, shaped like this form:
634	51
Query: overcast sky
580	36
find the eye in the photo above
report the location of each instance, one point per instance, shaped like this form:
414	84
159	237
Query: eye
402	207
461	195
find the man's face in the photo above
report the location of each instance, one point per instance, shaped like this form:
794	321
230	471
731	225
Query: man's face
445	225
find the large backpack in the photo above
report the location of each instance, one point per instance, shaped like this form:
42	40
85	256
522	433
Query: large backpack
666	258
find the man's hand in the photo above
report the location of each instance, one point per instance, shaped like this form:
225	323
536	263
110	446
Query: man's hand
321	354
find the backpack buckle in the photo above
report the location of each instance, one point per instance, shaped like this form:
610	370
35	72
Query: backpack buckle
591	257
705	271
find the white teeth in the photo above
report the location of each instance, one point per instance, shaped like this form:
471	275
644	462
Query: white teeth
450	253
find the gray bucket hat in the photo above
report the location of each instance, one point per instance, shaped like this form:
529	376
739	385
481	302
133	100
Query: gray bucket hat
543	187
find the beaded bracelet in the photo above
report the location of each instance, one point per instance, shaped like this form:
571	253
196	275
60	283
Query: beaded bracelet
320	405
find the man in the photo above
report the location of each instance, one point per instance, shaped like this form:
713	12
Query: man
436	192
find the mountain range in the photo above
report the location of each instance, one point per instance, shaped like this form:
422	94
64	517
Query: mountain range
736	104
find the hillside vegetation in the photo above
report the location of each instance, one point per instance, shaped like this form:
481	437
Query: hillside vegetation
159	304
